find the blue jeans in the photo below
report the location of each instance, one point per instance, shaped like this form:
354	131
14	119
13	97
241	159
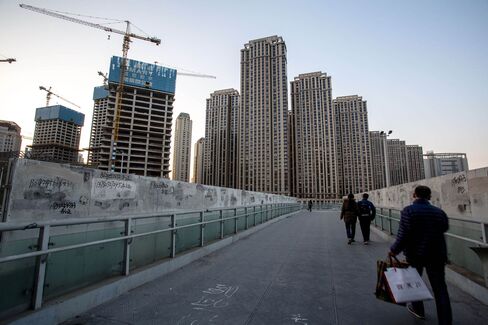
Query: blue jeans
350	229
436	274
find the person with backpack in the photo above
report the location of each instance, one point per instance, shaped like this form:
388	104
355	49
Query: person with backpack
367	213
349	213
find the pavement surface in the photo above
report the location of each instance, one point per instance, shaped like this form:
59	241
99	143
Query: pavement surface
296	271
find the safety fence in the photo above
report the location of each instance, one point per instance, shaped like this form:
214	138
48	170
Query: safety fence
42	261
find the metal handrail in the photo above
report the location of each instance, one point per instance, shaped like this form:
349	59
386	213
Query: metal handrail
114	239
482	243
44	234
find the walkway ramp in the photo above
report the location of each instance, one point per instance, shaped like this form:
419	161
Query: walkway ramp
296	271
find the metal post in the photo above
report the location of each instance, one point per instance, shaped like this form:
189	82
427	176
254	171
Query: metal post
128	231
173	235
389	224
221	224
41	263
202	227
254	215
235	221
247	219
483	232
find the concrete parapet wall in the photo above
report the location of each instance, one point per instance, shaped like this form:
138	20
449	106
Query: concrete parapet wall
461	195
43	191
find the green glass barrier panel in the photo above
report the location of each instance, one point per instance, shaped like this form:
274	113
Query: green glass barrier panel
465	229
241	223
459	253
19	242
187	238
148	249
212	230
77	268
228	224
16	285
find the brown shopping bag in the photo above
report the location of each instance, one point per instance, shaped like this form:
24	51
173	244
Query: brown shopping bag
382	290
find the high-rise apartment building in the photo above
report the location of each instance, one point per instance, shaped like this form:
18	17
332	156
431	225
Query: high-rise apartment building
10	138
379	159
182	149
415	163
263	131
146	114
313	151
221	138
397	161
57	134
438	164
198	152
353	146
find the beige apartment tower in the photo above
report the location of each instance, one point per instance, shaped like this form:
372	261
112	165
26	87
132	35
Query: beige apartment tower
379	158
353	146
182	149
198	154
415	160
263	132
221	138
313	151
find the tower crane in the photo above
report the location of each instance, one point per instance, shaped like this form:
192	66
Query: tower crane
123	69
9	60
49	93
104	76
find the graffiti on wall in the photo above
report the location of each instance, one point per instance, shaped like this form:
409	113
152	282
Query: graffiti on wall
110	189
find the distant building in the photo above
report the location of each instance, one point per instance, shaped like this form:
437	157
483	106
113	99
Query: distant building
198	166
145	120
379	158
313	154
10	138
397	161
438	164
221	138
415	162
57	134
263	130
182	149
353	146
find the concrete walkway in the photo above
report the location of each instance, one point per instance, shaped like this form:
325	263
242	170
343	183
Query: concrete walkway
297	271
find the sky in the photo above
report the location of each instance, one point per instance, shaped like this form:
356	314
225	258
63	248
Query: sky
422	66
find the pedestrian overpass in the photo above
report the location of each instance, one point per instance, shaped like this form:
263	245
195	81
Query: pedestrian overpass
275	264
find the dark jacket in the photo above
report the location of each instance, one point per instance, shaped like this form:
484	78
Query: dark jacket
372	209
349	211
421	233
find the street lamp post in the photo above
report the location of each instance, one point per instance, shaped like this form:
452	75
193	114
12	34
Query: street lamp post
385	151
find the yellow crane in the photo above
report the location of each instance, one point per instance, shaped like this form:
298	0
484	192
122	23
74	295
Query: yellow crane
49	93
123	69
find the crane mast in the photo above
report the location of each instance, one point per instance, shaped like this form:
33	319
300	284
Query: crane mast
123	69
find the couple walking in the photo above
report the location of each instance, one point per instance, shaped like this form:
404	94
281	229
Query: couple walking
364	210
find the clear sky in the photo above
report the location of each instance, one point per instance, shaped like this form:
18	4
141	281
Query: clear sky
422	66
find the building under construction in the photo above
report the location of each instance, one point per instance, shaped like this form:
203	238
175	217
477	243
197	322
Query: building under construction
57	134
145	120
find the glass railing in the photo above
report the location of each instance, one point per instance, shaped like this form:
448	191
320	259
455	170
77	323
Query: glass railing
42	261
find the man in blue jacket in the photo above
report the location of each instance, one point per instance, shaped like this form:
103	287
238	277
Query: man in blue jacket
421	238
367	213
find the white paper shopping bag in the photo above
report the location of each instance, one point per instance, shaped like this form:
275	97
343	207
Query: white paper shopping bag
406	285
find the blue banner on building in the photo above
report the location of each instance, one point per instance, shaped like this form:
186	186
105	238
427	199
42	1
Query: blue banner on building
144	75
59	112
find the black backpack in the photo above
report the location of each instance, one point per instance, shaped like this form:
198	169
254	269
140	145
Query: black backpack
364	209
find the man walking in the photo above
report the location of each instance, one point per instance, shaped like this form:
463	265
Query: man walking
421	238
367	213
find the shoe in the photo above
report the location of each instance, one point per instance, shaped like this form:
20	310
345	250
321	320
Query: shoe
413	312
366	242
350	241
